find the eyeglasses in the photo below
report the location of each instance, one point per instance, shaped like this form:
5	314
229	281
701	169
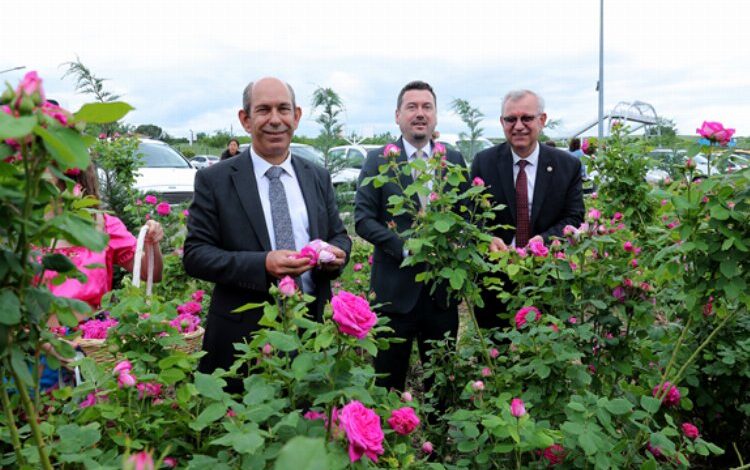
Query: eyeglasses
511	120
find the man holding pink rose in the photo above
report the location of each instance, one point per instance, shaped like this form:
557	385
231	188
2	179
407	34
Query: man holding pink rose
259	217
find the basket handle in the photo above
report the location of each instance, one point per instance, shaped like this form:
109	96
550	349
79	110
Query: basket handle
139	247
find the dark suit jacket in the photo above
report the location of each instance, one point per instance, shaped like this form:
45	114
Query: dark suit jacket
558	196
393	286
227	243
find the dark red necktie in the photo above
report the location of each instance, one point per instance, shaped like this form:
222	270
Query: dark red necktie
523	226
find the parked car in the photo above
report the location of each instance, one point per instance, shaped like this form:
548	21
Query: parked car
347	161
456	142
165	172
203	161
737	162
304	151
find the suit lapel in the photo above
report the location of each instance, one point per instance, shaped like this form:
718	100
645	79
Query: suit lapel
542	182
504	169
247	190
307	186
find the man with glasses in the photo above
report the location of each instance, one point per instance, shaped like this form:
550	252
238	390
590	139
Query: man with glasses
540	186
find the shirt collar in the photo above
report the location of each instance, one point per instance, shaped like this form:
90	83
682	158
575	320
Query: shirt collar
410	149
261	166
532	159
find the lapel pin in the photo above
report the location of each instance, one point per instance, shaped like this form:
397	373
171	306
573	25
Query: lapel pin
549	169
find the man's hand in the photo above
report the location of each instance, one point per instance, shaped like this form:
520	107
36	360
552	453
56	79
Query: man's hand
497	244
536	238
155	232
280	263
338	262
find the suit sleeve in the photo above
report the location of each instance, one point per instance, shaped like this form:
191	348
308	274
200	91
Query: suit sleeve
204	259
573	210
336	235
370	217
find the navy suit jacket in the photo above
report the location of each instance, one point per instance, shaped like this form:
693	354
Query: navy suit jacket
558	195
394	286
227	244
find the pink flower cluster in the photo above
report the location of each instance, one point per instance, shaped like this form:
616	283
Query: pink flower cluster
715	132
554	454
141	461
186	323
363	430
352	314
672	397
148	389
521	316
403	420
318	251
125	377
538	249
92	399
96	329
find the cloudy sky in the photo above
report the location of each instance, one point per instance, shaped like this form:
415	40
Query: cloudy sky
183	65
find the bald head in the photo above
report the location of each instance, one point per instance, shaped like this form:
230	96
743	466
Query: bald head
247	93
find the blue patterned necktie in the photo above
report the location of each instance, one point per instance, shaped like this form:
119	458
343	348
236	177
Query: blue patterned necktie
282	221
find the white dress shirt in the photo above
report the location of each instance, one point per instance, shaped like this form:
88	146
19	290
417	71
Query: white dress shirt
411	152
295	201
531	167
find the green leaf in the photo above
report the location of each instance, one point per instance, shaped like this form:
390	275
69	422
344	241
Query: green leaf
728	268
282	341
58	262
302	364
209	387
171	376
20	366
102	113
587	441
650	404
65	145
649	464
74	438
303	453
443	225
577	406
15	128
80	232
619	406
10	308
212	412
468	446
242	442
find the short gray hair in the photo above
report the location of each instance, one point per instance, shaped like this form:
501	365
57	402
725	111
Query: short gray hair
247	95
515	95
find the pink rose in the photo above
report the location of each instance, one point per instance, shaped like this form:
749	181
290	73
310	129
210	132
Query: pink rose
521	316
90	400
326	256
619	293
126	379
538	249
357	267
391	151
287	286
314	415
477	386
102	136
494	353
352	314
486	372
148	389
150	199
554	454
655	451
690	431
672	397
308	252
142	461
554	327
617	217
163	209
369	260
198	295
628	246
186	212
433	197
594	214
231	413
570	231
362	427
427	447
170	462
55	112
573	320
634	262
30	84
715	132
267	349
190	307
477	181
439	149
403	420
122	366
517	407
406	396
185	323
521	252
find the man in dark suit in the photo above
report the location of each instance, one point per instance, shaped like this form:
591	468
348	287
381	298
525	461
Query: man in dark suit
539	185
250	216
413	312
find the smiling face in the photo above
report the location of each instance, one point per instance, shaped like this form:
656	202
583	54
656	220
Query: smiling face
272	120
522	123
417	116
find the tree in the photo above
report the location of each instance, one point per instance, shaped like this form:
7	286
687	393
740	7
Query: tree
331	106
88	83
471	116
663	134
150	130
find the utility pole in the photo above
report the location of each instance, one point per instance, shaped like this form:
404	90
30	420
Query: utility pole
600	86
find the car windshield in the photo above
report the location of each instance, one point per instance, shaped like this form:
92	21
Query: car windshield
310	154
161	156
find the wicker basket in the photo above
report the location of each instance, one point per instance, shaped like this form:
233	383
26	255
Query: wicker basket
193	341
97	350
